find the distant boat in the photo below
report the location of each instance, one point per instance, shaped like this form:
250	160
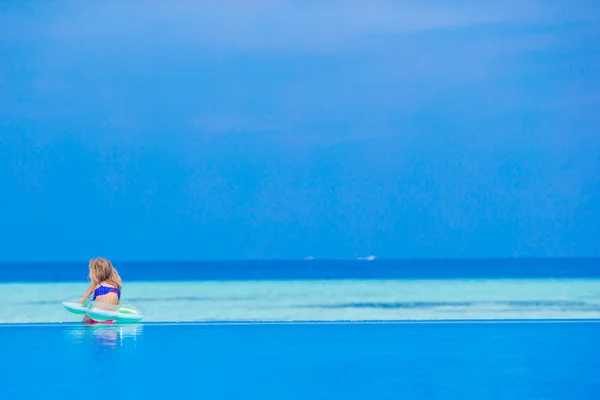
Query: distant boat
367	258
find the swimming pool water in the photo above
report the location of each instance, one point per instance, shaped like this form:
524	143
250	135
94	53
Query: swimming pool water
435	360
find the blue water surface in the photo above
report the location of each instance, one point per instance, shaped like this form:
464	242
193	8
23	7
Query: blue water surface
470	360
312	269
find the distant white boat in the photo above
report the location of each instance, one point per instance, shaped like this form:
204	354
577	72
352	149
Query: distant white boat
367	258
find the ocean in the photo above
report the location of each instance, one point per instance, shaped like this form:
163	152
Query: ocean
318	290
468	329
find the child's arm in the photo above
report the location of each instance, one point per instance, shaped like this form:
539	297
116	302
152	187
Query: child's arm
88	292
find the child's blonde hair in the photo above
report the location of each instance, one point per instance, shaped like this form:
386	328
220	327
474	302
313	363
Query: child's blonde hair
102	270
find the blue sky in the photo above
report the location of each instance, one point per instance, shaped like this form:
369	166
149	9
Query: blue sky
285	129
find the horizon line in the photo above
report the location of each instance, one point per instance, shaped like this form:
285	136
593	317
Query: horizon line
359	259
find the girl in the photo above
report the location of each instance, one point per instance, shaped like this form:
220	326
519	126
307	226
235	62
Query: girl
105	284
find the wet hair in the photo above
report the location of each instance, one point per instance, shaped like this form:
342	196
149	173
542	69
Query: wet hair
102	270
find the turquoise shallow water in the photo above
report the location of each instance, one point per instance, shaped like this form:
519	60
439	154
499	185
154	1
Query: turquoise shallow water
322	300
434	360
